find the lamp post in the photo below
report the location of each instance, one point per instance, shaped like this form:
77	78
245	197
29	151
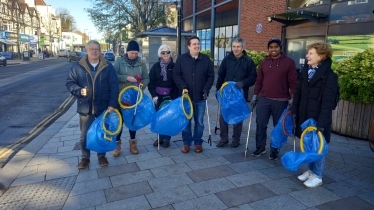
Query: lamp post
179	27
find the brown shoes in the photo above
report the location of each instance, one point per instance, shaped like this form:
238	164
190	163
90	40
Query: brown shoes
103	161
84	163
185	149
198	148
133	148
117	151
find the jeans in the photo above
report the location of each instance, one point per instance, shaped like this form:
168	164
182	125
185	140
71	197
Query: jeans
224	130
198	116
317	167
265	108
85	122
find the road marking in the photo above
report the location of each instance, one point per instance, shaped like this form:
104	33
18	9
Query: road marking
10	148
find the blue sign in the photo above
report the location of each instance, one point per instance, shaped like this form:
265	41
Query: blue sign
24	37
2	34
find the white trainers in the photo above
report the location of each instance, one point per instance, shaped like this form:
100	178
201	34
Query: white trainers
303	177
313	181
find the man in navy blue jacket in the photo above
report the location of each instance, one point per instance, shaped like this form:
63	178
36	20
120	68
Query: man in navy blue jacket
93	81
193	73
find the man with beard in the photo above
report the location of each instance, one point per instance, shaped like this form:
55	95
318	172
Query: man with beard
239	68
276	81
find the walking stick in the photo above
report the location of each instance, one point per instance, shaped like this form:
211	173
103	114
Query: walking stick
249	128
137	98
207	114
218	110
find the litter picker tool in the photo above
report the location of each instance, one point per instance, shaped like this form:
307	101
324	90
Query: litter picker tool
249	128
218	110
139	79
207	114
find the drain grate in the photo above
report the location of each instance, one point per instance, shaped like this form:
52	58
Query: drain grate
43	195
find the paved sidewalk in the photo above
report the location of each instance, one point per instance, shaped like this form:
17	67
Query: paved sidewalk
32	60
44	175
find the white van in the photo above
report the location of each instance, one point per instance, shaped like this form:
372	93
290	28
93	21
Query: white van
63	53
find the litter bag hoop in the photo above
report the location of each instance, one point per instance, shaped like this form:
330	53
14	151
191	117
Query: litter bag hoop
118	127
283	121
223	85
309	129
184	111
126	88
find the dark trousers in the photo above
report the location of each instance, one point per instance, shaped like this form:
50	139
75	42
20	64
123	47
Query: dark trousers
132	133
85	122
265	108
224	130
160	100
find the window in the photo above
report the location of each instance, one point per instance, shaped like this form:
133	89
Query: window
294	4
352	11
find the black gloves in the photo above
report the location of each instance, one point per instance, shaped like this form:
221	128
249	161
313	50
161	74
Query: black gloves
205	95
253	101
239	85
320	129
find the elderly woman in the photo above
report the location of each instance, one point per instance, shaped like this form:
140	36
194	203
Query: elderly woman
315	97
130	69
161	84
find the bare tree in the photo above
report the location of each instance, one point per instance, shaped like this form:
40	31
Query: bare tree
49	22
67	20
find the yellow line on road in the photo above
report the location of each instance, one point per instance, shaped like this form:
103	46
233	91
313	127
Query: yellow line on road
10	148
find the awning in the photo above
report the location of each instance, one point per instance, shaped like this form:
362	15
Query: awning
8	42
293	16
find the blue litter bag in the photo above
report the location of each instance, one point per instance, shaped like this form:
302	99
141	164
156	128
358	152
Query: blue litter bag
172	118
311	141
234	108
144	110
101	135
282	130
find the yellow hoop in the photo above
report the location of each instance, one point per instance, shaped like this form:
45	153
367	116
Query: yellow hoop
118	127
321	142
223	85
126	88
184	111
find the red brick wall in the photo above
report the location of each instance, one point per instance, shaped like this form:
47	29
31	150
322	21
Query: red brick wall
257	11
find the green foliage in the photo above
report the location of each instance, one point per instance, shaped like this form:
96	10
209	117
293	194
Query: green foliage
356	77
257	57
207	52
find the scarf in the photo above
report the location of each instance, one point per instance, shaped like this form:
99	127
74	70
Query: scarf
130	61
312	71
164	66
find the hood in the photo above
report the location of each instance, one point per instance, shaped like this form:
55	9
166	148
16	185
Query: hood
270	61
102	63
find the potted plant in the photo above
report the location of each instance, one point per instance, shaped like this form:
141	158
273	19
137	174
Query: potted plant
355	109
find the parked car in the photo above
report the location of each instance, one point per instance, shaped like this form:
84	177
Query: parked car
7	55
63	53
2	60
75	56
109	56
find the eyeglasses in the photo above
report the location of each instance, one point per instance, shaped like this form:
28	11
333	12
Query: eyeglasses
165	52
93	49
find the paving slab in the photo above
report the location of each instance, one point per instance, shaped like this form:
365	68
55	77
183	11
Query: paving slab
135	203
346	204
278	172
207	163
210	202
369	197
142	156
90	186
170	170
249	178
185	157
241	207
173	181
211	186
87	175
343	189
314	196
16	205
35	178
154	163
278	202
117	170
283	186
85	200
252	165
170	196
130	178
127	191
210	173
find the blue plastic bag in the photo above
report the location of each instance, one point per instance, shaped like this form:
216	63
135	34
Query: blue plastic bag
234	108
101	135
144	109
172	118
282	131
293	160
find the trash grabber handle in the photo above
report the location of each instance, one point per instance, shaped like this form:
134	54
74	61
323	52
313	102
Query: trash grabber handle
218	110
309	129
207	114
137	100
136	105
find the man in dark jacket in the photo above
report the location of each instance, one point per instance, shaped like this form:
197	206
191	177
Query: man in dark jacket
240	68
276	80
93	81
193	73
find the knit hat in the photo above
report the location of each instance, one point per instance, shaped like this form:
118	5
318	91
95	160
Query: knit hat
275	40
132	46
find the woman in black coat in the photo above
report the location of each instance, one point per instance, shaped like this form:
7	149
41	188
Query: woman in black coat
161	84
315	97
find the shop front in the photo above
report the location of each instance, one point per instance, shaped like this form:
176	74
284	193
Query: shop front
24	42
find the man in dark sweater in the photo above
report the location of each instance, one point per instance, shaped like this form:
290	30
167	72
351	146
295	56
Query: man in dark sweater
193	73
240	68
276	81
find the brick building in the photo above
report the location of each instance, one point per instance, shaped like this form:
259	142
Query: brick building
348	25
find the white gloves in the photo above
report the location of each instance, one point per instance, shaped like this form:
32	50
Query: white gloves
154	99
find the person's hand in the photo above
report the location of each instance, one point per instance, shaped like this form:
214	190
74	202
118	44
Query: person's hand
253	101
184	90
239	85
290	102
205	95
110	109
155	99
131	79
84	92
320	129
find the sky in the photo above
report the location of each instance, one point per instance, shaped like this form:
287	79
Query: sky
76	9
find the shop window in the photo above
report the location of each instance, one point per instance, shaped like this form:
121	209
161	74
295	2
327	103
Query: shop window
294	4
352	11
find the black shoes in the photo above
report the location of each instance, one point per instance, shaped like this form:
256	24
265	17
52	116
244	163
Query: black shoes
274	153
221	143
259	151
234	144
